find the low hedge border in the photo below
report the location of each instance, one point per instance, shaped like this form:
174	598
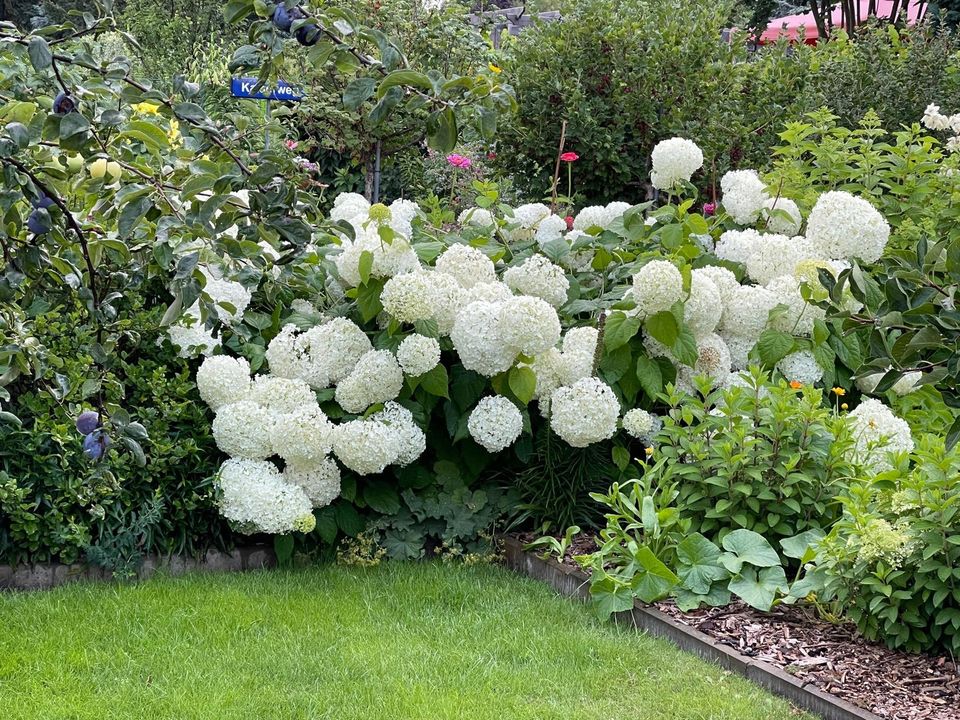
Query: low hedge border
49	575
573	583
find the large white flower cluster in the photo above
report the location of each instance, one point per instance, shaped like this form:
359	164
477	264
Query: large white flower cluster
801	367
320	480
222	380
641	424
477	217
585	412
599	216
539	277
933	119
366	446
467	265
657	286
255	496
844	227
388	258
376	378
876	433
495	423
418	354
674	161
322	355
303	436
744	195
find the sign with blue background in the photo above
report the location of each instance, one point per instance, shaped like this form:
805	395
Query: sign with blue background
243	88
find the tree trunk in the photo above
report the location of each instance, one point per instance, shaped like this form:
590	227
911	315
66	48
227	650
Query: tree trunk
368	177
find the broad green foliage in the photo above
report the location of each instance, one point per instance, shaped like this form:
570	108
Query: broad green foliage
892	562
761	456
628	74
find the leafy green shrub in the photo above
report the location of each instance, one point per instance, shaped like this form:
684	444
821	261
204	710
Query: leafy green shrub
892	562
760	456
648	550
625	75
55	503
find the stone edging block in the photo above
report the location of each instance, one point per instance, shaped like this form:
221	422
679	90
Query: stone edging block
45	576
572	582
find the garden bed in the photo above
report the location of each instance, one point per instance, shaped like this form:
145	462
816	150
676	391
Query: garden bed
825	660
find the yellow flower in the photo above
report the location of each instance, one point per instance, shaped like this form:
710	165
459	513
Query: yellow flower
146	108
494	69
796	384
648	451
173	135
839	391
844	406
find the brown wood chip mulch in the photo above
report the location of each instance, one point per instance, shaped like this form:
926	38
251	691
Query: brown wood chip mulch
890	683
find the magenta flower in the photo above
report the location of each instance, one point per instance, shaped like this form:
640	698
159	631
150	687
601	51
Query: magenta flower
459	161
709	209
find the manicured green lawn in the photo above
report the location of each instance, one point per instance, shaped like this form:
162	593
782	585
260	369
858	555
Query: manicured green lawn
422	641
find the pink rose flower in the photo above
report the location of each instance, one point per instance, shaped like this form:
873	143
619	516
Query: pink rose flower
459	161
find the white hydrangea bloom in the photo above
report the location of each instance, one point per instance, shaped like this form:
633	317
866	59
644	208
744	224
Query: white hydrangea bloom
418	354
448	298
409	297
641	424
282	395
242	429
744	195
616	210
332	351
477	217
283	358
551	371
530	216
489	291
594	216
657	286
411	439
773	256
933	119
737	245
584	413
366	446
801	367
723	278
777	222
842	226
222	380
193	338
703	308
800	315
550	228
674	161
467	265
402	214
748	311
255	496
303	436
579	351
739	348
713	357
320	480
495	423
389	258
529	325
540	278
228	292
478	339
376	378
877	432
351	207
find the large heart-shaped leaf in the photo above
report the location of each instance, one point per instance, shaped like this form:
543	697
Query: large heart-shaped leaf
653	580
759	590
699	564
750	547
802	547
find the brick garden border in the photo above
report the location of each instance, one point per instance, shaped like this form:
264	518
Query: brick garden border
47	576
572	582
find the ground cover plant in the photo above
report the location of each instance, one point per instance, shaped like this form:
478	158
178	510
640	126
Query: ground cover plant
403	640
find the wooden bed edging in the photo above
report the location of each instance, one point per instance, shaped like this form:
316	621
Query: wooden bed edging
45	576
572	582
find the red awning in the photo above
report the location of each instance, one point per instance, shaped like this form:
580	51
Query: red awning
789	26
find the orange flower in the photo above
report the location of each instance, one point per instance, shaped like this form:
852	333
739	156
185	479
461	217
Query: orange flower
796	384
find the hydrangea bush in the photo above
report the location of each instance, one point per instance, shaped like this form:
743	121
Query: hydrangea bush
411	339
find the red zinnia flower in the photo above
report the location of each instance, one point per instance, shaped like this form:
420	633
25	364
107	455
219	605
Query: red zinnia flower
569	157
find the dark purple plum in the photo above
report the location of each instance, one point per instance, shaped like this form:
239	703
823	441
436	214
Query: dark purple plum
95	444
88	422
38	223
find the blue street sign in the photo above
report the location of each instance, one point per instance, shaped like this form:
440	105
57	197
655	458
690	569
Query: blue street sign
243	88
